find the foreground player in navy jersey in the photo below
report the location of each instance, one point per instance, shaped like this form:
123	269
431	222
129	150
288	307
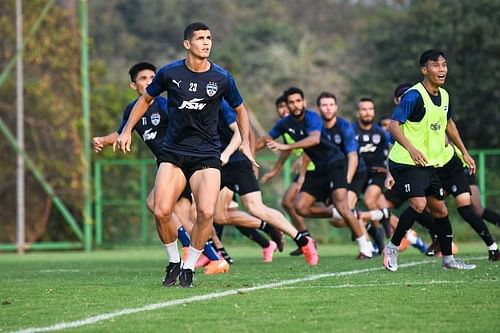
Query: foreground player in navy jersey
191	150
152	129
328	180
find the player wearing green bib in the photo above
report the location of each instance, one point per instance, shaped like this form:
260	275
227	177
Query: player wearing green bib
419	125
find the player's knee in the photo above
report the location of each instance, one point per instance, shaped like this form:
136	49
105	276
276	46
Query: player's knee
419	207
150	204
205	213
162	213
221	218
302	209
287	204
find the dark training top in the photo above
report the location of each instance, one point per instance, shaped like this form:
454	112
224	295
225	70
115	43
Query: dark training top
374	145
342	135
322	154
193	101
153	125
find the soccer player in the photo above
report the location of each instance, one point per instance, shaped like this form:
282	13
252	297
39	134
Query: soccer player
237	175
328	180
152	130
374	147
191	149
419	124
301	165
341	133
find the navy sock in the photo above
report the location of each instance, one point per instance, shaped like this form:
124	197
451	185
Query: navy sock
300	240
491	216
445	234
255	236
476	223
209	251
183	237
406	221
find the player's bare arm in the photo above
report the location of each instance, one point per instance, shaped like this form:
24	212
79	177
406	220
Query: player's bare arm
124	140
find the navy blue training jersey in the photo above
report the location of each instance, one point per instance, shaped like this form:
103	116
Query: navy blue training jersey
193	101
412	107
374	145
153	125
322	154
342	135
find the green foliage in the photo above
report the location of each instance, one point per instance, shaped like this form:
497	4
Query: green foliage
467	32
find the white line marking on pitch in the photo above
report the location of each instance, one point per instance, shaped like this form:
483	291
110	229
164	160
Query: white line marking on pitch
407	283
59	271
199	298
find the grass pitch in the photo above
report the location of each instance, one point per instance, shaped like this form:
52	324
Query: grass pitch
121	291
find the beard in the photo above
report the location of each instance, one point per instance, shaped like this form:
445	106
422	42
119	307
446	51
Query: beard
295	115
366	121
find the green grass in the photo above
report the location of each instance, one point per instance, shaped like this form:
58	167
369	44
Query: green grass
43	289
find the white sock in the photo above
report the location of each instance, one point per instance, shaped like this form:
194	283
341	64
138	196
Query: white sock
493	247
376	215
335	214
193	257
364	246
447	259
411	237
392	246
172	251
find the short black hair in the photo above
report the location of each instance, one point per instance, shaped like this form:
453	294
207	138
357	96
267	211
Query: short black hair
279	100
366	99
401	89
382	119
291	91
192	27
325	94
430	55
140	66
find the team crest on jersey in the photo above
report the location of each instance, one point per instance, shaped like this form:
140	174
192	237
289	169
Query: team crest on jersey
376	138
155	119
211	88
338	139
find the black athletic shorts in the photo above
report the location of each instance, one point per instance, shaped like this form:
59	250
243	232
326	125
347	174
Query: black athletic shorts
471	177
187	190
394	197
453	178
239	177
375	178
357	183
189	164
413	181
321	183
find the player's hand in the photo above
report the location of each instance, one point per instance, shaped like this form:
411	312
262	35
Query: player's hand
470	163
245	150
418	157
389	181
267	177
123	142
275	146
97	144
224	158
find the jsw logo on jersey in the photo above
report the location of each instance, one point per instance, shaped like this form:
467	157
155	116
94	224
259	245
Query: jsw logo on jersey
193	104
369	148
148	135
